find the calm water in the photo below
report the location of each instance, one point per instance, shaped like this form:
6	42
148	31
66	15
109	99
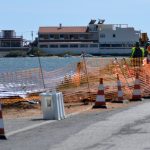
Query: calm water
13	85
47	63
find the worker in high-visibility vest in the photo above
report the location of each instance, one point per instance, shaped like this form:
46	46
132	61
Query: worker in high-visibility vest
137	55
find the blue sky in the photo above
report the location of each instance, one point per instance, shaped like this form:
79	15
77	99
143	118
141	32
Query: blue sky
26	16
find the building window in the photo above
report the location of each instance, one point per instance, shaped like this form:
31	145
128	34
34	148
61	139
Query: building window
6	43
64	46
81	36
114	35
44	36
71	37
83	45
76	36
111	45
102	35
116	45
61	36
15	43
66	36
56	36
44	46
52	36
53	46
93	45
74	46
86	36
105	45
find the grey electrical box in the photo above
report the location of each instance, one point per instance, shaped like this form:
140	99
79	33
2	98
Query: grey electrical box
52	105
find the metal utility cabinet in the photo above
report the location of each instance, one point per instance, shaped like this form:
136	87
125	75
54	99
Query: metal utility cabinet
52	106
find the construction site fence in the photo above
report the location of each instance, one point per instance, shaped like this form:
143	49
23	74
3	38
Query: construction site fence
77	81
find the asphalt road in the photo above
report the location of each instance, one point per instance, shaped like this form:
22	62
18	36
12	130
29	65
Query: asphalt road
121	129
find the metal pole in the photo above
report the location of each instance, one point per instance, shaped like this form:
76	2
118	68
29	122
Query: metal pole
41	71
123	74
87	77
128	68
32	35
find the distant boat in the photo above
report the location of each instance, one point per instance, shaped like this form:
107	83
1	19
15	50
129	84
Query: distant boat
67	55
31	55
86	55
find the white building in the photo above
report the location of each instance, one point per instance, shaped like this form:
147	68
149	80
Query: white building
96	38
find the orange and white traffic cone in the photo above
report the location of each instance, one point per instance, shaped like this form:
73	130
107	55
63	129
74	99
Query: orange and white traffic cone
100	98
120	98
136	95
2	132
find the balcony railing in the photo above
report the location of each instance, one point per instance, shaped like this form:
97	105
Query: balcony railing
11	37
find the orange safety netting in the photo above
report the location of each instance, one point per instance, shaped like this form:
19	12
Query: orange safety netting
79	81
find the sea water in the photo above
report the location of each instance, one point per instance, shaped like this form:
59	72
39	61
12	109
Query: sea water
12	84
24	63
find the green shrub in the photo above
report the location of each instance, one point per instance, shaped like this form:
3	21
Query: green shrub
37	52
16	54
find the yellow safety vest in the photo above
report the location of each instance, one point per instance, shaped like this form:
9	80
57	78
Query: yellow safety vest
133	51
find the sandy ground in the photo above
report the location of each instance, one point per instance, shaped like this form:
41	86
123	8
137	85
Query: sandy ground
26	110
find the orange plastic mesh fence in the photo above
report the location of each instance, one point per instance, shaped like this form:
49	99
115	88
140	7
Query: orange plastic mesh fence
77	81
143	71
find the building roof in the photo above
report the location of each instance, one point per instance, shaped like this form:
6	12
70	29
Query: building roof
71	29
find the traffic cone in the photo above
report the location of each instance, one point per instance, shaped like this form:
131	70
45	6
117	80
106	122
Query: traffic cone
120	98
100	98
136	95
2	132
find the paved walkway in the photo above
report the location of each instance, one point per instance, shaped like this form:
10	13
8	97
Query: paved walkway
13	126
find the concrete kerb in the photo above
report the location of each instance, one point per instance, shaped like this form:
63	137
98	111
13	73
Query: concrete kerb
76	113
43	123
29	128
